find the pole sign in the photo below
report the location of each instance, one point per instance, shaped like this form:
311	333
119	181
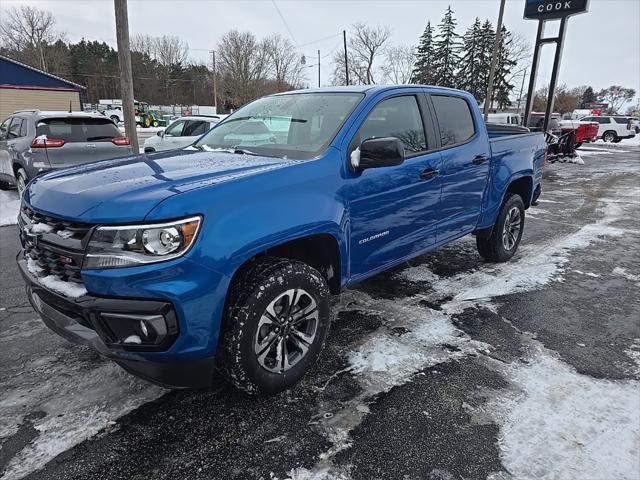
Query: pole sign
550	9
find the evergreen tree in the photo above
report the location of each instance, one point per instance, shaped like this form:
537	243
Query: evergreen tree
423	69
588	98
487	37
504	65
446	48
471	61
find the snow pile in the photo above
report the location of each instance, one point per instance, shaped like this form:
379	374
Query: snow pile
565	425
9	207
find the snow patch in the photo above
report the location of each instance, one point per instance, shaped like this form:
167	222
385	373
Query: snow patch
9	207
561	424
622	272
40	228
355	158
68	289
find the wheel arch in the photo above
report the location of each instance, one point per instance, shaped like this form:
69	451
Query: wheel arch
318	250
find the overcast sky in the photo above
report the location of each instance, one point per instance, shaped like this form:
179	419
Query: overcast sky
602	46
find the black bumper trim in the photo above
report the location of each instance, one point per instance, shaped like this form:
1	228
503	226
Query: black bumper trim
74	321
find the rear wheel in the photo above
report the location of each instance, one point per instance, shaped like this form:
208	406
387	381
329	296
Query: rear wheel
21	180
506	234
609	136
5	185
146	122
115	119
276	321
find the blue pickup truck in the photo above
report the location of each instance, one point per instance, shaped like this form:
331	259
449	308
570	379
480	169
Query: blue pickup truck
222	256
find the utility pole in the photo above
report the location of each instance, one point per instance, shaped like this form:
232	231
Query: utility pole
126	77
346	61
318	68
524	76
215	81
494	60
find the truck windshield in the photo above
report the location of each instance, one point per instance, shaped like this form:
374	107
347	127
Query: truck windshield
298	126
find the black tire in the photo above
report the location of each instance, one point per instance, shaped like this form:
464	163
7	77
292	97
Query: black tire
22	179
115	119
155	123
617	140
5	185
257	288
149	150
609	136
493	248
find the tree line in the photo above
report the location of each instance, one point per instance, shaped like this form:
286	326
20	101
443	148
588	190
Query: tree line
248	67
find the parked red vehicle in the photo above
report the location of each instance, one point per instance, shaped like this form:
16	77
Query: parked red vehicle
586	132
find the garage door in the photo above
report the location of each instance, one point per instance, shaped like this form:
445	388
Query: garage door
12	99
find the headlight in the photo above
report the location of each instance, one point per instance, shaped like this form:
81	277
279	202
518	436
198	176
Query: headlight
127	246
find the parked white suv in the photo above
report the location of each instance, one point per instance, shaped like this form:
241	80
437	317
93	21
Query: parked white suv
181	133
612	128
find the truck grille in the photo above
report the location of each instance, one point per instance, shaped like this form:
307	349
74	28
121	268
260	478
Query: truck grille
55	246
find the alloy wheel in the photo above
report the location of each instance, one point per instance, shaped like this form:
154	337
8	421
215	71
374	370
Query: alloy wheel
286	330
511	230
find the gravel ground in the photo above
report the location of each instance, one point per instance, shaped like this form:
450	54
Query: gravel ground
444	368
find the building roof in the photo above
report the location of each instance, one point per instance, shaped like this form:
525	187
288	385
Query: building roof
9	76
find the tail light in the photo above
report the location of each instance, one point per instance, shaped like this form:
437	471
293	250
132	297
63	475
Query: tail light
121	141
44	142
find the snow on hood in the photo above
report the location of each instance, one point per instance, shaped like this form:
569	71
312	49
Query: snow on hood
126	189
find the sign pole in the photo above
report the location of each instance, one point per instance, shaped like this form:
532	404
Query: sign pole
531	91
554	73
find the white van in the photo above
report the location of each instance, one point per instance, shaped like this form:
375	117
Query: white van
505	118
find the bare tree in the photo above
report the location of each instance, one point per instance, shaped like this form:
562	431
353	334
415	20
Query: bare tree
616	96
284	62
169	50
398	65
365	46
243	66
28	31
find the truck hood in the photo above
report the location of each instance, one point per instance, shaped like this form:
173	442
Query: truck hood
126	189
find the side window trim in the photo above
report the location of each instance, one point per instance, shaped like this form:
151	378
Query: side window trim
15	121
435	116
416	95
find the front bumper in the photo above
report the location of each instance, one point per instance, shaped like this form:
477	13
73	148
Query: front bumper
77	321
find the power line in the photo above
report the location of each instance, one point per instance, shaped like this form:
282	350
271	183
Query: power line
285	22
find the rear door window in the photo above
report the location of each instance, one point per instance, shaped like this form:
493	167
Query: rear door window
622	120
397	117
78	130
14	128
454	119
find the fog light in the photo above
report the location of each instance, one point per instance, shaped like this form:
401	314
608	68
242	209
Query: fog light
141	331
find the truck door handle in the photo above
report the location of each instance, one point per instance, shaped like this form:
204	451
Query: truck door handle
479	159
428	174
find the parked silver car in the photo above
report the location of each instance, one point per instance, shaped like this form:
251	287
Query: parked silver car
32	142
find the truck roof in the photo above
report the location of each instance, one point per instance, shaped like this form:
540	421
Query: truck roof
362	89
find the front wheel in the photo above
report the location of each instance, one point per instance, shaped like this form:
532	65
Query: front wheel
609	136
21	181
506	234
276	321
115	119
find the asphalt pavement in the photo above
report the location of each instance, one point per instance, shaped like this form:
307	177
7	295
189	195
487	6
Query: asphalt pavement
444	368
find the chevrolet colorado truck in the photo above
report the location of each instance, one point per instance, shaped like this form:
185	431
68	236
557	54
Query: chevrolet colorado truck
221	257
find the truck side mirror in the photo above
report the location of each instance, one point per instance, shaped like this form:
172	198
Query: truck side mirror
160	133
378	152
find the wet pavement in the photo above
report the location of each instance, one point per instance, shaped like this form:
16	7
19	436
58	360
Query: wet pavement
443	368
